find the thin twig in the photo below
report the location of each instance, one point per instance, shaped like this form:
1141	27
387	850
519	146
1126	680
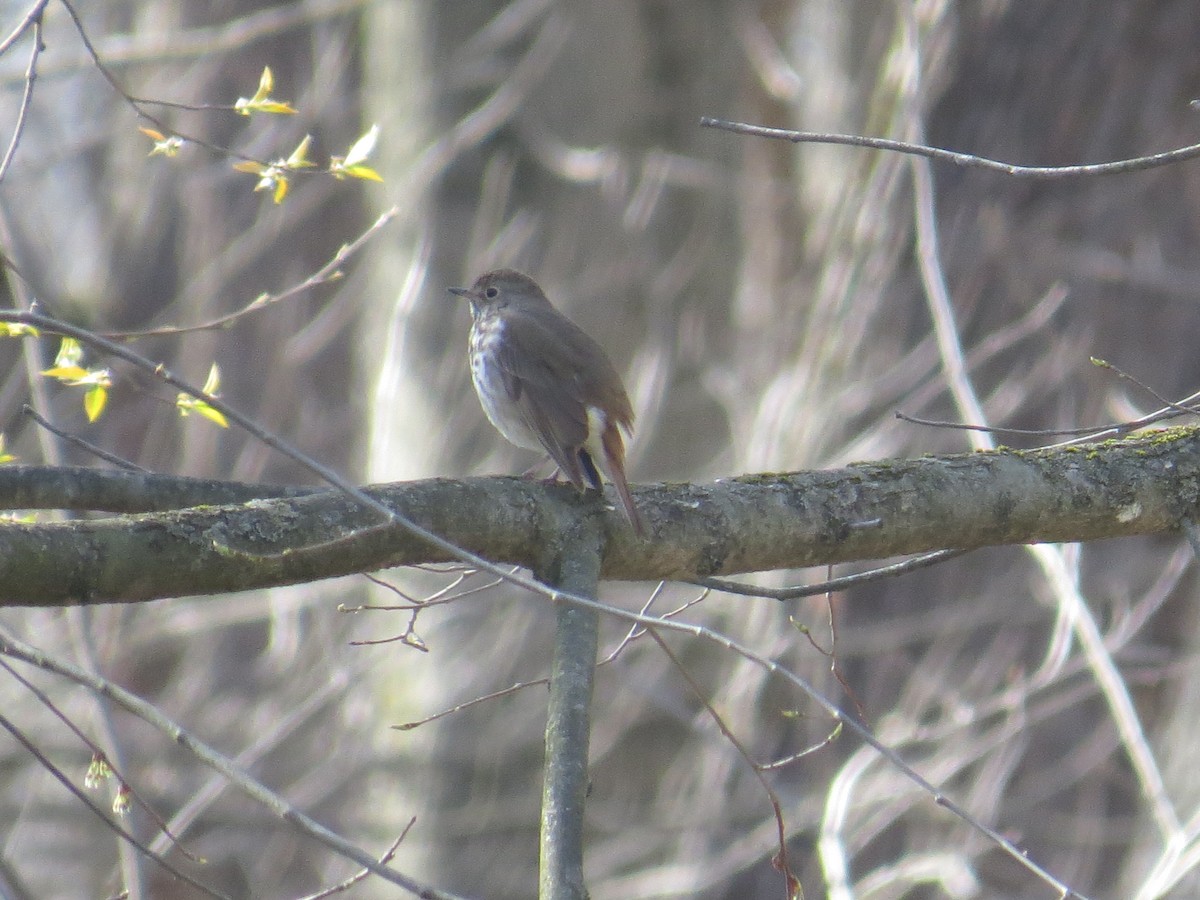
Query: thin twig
135	103
330	271
79	442
791	883
966	160
26	96
34	14
632	635
833	584
359	876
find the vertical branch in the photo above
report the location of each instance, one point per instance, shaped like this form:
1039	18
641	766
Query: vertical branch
568	721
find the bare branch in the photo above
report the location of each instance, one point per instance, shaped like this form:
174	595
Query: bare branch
965	160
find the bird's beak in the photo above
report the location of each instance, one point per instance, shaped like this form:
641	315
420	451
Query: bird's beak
461	292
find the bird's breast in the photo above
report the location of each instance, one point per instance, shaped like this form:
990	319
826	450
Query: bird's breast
501	407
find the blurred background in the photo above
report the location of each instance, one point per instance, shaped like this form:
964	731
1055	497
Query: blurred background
764	304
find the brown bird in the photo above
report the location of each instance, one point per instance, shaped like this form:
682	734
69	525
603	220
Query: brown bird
546	385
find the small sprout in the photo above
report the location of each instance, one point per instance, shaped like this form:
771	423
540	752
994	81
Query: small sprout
163	145
299	157
261	101
67	360
5	456
98	772
413	640
274	177
277	183
67	369
17	329
96	398
352	165
188	404
270	178
121	803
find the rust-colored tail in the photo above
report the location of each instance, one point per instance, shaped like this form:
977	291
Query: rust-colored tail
614	467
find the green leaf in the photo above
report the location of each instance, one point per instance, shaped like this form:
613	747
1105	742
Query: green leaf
94	402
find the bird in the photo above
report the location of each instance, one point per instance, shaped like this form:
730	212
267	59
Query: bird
545	384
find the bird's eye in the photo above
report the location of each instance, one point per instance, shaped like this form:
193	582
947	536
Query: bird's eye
491	293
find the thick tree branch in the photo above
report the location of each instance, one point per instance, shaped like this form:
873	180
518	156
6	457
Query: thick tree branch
107	490
1145	485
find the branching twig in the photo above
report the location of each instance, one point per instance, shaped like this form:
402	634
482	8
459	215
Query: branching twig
632	635
137	104
26	94
32	15
87	801
17	649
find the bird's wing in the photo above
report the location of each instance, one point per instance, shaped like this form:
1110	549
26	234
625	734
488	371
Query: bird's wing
542	376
